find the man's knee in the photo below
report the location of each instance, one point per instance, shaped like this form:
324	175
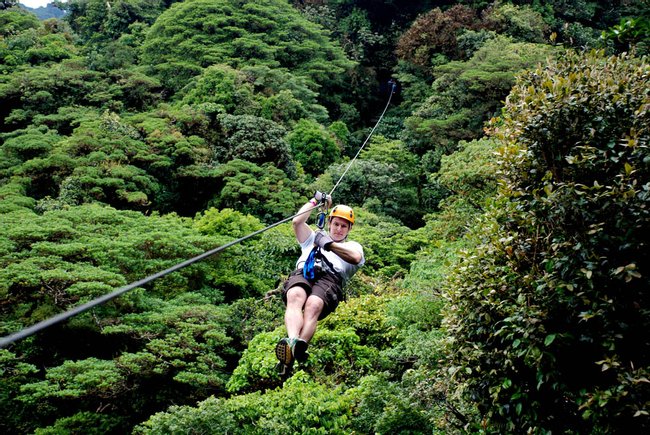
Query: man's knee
296	295
314	306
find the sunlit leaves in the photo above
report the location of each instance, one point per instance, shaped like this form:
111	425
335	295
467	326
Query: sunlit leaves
278	411
267	33
227	222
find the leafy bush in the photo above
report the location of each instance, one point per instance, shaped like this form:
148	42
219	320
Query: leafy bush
366	315
300	406
335	357
547	312
385	407
389	248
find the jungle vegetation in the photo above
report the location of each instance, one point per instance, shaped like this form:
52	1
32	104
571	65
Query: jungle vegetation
503	203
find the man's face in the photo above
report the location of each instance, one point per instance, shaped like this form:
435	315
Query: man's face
339	229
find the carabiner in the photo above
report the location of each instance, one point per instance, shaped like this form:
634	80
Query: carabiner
320	220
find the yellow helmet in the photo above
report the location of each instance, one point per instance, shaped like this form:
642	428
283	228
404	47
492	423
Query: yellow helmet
344	212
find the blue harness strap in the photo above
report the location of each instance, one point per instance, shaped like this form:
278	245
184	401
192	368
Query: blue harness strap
309	269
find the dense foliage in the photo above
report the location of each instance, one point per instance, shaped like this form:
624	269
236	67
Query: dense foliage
551	307
504	285
263	33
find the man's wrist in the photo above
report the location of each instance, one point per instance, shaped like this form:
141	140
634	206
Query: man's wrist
313	201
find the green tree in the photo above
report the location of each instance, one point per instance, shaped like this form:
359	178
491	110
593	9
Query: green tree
64	256
470	173
385	180
226	222
262	191
391	246
468	178
13	195
136	91
354	31
522	23
548	309
15	372
101	161
16	20
285	97
97	21
251	268
313	146
136	352
25	40
179	152
224	86
43	89
436	32
268	32
22	145
466	94
185	343
255	140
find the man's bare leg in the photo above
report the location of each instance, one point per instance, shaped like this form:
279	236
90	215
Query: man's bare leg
293	316
313	308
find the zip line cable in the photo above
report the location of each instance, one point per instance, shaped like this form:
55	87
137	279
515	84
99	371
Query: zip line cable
26	332
4	341
392	91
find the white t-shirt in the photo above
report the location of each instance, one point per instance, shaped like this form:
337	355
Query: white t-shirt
342	267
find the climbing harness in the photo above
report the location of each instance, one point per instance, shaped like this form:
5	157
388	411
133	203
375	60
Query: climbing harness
310	267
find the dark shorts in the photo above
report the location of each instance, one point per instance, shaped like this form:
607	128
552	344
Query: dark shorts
325	286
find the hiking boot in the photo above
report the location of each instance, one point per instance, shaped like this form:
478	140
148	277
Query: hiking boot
299	350
283	351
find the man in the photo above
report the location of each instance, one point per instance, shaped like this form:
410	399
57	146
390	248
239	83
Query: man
315	288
